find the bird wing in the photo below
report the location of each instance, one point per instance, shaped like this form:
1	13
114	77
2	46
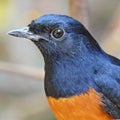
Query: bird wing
109	86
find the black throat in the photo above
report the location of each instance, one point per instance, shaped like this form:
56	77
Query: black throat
68	77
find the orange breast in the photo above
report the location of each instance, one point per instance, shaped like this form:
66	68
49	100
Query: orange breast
79	107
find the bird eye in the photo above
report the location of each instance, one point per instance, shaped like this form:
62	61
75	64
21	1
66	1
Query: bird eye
57	33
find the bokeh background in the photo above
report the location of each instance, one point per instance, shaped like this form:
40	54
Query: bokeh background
22	94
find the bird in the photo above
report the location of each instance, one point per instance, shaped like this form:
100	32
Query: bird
82	81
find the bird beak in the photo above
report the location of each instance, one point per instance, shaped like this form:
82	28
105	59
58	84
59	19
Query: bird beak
25	33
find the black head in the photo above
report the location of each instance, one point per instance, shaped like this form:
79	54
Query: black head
57	35
68	49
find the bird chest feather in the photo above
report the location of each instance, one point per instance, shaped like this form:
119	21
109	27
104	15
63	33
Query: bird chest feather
79	107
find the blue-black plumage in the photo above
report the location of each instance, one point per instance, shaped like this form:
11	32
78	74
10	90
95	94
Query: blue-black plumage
74	62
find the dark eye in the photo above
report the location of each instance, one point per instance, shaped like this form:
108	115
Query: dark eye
57	33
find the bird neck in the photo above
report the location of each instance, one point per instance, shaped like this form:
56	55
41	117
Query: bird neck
67	76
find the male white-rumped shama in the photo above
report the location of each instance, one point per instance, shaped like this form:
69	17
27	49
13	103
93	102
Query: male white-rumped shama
82	82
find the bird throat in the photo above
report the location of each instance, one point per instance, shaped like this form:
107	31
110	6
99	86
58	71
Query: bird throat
63	79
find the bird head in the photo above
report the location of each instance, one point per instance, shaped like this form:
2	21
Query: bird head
57	35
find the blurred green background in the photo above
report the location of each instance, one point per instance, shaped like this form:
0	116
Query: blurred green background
22	96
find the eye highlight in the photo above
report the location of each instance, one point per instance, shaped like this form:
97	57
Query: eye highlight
57	33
